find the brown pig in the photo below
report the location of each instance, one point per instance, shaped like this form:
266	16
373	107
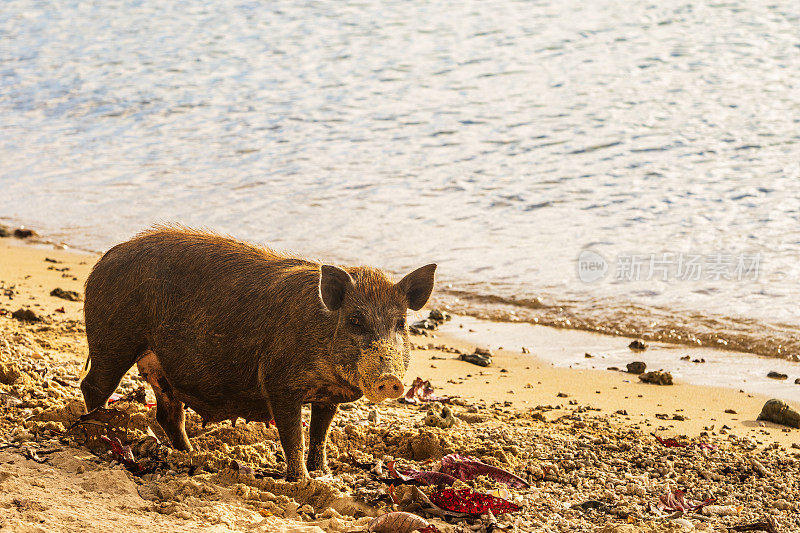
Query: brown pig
235	330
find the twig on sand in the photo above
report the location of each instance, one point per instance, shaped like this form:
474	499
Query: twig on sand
770	526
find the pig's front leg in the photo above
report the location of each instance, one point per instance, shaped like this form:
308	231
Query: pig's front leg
288	420
321	416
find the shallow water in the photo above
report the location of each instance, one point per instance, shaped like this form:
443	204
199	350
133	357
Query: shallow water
705	366
498	139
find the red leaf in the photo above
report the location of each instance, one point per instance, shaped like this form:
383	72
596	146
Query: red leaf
676	501
670	443
122	454
422	477
470	502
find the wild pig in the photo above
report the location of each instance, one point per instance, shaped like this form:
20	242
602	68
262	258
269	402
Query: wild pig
235	330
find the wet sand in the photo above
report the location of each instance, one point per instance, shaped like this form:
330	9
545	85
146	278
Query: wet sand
542	415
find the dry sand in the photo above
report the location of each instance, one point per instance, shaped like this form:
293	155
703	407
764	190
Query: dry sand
576	435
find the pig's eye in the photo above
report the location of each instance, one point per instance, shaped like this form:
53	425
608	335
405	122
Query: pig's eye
355	322
401	324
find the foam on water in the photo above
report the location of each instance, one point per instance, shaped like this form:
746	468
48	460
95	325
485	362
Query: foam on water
499	139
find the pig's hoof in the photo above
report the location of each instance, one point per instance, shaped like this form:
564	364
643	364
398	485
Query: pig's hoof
322	468
297	476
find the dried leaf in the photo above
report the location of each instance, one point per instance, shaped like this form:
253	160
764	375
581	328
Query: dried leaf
91	427
421	477
421	391
466	468
671	443
676	501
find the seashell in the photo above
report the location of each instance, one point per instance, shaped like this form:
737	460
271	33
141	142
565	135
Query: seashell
399	522
682	522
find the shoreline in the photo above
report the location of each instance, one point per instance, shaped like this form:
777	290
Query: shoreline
641	321
521	413
707	330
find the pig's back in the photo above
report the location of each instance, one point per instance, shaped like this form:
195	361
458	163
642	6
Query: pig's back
205	304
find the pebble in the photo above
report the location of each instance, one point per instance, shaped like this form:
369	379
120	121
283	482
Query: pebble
26	315
657	377
637	345
636	367
24	233
374	416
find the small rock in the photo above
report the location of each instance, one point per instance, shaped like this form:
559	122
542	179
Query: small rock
4	231
525	350
758	467
587	355
637	345
477	358
730	411
437	315
373	416
779	412
562	395
776	375
797	381
444	421
483	351
657	377
9	373
636	367
24	233
782	504
307	509
72	296
590	505
424	324
26	315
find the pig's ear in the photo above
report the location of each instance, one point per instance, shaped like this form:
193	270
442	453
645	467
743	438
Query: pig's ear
333	284
418	286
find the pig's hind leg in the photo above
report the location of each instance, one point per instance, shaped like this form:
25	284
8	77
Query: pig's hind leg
169	410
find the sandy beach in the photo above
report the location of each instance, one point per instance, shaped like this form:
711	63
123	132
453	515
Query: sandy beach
574	435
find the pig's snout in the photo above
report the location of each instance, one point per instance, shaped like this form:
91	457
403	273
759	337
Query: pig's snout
384	388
